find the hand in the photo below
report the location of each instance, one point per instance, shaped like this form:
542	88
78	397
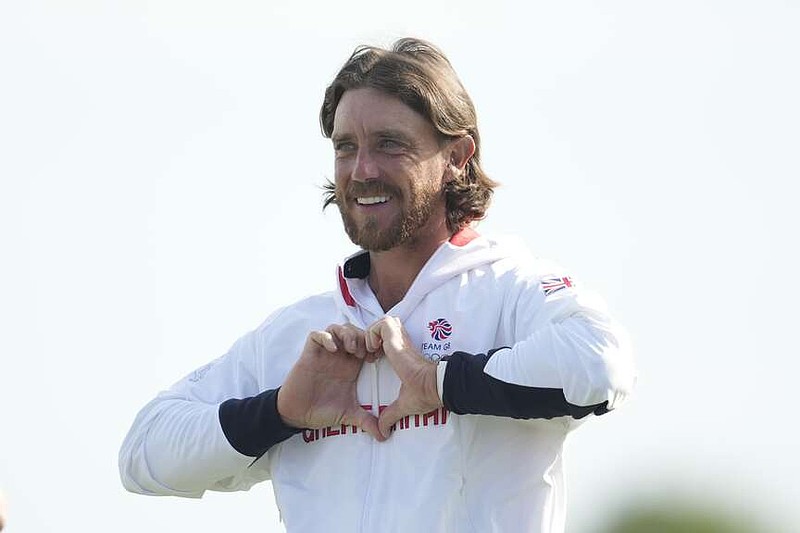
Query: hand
418	391
320	390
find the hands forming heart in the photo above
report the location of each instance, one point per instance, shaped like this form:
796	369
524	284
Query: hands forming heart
320	390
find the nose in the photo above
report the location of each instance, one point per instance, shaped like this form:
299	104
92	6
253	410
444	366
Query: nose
366	166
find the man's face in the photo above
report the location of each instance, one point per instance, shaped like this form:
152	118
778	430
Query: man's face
390	169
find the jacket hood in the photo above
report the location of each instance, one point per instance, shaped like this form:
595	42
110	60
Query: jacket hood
464	251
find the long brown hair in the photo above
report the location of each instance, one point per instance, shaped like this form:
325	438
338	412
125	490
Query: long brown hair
421	76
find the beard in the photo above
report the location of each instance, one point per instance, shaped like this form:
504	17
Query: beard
404	229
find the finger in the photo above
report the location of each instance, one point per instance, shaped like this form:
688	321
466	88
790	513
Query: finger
360	348
393	335
350	338
354	340
324	339
394	341
341	336
389	417
368	423
373	337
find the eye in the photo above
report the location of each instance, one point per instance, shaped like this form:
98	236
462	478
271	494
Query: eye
344	147
391	145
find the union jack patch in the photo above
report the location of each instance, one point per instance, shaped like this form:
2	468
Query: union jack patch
551	285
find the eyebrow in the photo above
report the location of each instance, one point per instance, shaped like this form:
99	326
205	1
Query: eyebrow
393	134
340	137
385	133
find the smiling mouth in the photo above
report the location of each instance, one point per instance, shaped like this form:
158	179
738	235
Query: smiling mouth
372	200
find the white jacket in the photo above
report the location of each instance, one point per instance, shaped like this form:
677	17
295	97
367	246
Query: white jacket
437	472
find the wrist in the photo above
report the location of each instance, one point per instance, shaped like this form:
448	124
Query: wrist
281	408
432	386
441	369
253	425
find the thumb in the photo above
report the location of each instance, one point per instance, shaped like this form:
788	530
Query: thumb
372	340
367	421
389	417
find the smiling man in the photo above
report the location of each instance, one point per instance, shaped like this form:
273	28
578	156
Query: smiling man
433	388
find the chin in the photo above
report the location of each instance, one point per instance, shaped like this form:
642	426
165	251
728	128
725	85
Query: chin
376	244
371	238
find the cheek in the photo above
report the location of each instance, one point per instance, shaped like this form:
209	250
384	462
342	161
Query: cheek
342	169
432	175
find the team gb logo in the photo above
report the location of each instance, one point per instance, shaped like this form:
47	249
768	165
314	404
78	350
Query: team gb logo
440	329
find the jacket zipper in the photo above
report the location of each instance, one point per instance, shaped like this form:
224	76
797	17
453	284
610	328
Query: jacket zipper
375	407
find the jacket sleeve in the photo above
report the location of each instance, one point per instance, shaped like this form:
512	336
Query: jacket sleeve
177	445
571	358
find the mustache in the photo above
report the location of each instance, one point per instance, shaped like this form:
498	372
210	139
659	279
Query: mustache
370	188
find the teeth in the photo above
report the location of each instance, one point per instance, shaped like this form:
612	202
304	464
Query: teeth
369	200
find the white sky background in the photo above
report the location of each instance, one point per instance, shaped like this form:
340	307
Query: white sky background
158	171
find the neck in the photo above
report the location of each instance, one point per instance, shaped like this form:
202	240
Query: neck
392	272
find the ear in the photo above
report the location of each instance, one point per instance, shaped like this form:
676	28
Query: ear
460	152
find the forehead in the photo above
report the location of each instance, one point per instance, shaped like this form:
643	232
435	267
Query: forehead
367	110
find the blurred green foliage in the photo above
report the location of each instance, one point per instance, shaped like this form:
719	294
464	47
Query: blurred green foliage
676	517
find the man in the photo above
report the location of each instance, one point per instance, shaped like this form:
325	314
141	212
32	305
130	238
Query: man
434	388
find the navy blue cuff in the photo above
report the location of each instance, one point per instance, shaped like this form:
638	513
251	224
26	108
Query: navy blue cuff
469	390
253	425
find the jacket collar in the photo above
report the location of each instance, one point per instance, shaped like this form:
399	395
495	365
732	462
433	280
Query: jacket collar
357	266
